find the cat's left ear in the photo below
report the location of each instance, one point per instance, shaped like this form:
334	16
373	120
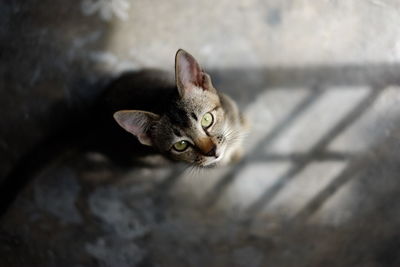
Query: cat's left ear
138	123
188	74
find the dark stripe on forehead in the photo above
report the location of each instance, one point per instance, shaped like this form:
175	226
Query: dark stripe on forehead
178	116
193	116
176	132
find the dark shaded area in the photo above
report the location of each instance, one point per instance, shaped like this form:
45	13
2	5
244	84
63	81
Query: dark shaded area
47	85
47	78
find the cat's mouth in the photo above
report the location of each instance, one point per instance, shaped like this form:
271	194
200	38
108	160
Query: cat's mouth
212	161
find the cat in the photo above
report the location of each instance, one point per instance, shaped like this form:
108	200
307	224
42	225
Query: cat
187	121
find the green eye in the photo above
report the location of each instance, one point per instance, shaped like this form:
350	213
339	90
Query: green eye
181	145
207	120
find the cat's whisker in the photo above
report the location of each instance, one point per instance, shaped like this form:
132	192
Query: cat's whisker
228	133
192	170
197	170
232	135
240	135
187	170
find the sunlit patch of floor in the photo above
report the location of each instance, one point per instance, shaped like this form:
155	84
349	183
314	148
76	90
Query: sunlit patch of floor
318	120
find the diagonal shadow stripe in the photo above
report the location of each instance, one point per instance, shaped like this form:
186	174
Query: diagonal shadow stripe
345	176
354	114
213	196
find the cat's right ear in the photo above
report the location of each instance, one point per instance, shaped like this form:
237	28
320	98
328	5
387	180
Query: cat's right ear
188	74
138	123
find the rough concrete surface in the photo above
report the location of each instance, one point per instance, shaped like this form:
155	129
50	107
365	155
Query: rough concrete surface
319	184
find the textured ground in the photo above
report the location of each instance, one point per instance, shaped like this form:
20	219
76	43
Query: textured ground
319	185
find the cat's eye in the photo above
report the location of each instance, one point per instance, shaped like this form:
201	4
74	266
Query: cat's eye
207	120
181	145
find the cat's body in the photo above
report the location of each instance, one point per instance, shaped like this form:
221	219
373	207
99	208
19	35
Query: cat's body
188	121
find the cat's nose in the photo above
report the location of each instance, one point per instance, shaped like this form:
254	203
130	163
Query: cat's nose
212	152
206	147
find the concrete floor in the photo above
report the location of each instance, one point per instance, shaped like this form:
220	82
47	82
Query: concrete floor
319	185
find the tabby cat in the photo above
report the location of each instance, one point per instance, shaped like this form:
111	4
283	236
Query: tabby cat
194	122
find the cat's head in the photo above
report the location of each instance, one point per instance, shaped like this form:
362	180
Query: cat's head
196	128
